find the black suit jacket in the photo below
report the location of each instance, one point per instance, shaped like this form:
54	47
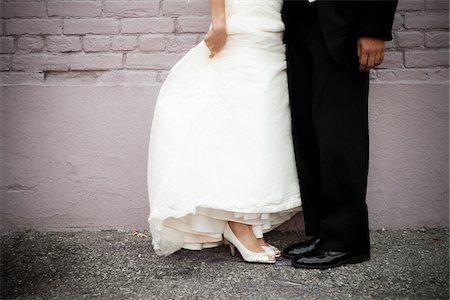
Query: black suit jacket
343	22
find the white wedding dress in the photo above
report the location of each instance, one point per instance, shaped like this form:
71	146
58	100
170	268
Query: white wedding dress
221	145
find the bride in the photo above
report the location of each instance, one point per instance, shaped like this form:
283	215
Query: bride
221	166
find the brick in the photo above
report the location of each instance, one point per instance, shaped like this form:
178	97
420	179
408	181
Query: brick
21	77
112	77
23	10
426	58
153	61
33	26
413	75
6	44
30	43
73	77
410	5
96	61
40	62
408	39
437	4
392	60
152	42
184	7
63	43
131	8
66	62
96	43
74	9
180	43
200	37
390	44
436	39
124	42
193	24
426	20
398	22
91	26
373	75
147	25
5	62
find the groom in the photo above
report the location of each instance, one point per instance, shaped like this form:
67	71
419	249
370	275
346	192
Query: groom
330	48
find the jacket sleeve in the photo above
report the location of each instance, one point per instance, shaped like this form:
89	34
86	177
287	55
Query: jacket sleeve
376	18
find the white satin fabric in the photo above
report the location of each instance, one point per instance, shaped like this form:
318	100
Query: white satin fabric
220	145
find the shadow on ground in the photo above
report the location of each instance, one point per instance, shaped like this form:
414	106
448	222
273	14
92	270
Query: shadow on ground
116	265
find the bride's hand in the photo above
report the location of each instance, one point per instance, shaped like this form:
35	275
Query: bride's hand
215	39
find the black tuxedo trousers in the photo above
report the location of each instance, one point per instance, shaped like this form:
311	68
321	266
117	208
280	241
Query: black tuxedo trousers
329	106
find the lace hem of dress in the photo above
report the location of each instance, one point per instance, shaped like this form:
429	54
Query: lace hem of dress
200	227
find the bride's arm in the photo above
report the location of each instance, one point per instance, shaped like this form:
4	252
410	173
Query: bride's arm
216	37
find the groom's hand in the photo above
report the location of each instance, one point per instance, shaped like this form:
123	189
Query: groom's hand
370	53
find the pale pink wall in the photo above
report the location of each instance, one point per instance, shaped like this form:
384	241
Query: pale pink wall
80	80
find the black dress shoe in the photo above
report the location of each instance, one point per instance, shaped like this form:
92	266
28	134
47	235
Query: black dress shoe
299	249
324	259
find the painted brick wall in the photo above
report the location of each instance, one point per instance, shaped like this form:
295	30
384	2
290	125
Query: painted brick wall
43	41
419	50
80	78
117	40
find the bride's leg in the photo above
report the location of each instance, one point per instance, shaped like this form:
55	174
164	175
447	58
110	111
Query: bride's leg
262	242
246	236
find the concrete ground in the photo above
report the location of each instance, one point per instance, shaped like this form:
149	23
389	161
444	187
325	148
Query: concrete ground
411	264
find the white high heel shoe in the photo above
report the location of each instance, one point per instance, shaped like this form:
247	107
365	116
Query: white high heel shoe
247	255
272	250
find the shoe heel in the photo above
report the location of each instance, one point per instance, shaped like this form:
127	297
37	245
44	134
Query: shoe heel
232	250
